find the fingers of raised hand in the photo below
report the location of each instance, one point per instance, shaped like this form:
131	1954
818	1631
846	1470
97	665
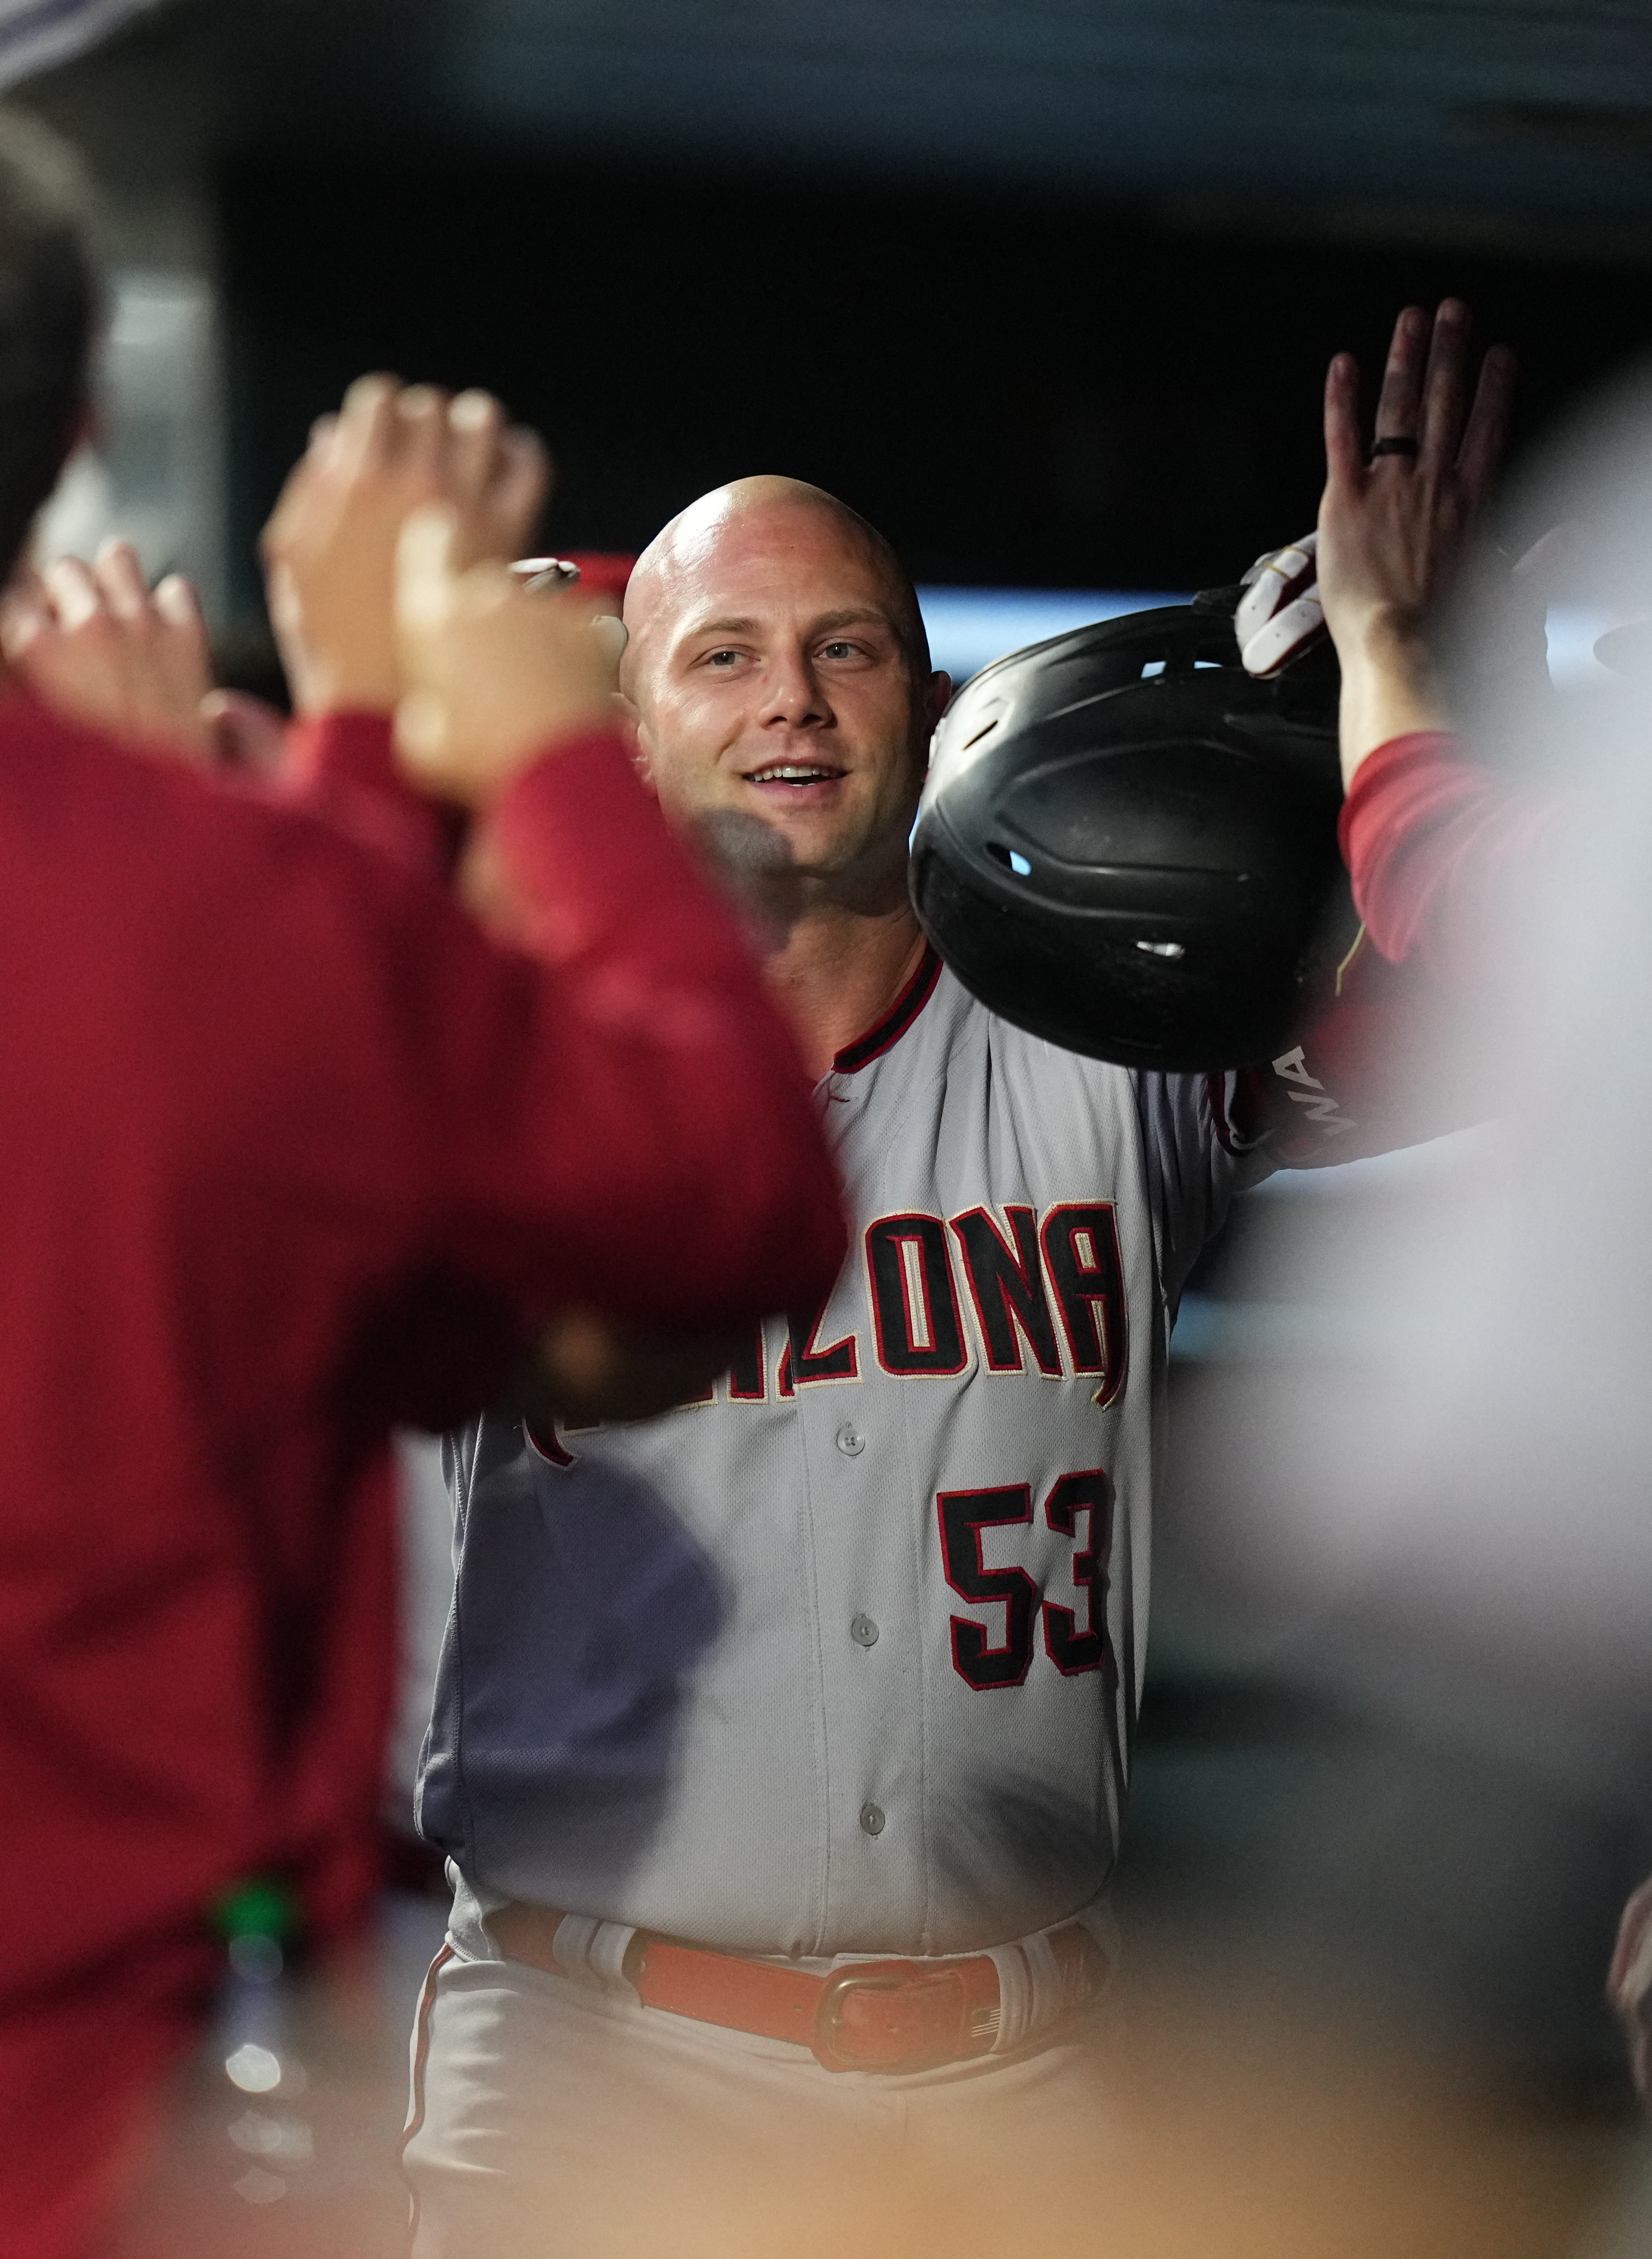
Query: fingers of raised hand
1397	408
521	485
421	439
498	473
181	645
1344	449
475	426
120	580
366	434
77	600
1486	436
1443	406
25	617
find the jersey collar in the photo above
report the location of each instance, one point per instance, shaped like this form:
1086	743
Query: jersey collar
895	1022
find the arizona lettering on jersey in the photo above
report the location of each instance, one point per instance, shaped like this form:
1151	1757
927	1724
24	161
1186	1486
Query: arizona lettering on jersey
846	1657
1029	1284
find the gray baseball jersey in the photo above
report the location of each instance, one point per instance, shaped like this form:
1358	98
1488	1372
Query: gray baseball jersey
846	1657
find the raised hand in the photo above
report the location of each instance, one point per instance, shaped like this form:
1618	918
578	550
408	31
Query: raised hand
330	546
1392	523
97	644
1393	526
493	675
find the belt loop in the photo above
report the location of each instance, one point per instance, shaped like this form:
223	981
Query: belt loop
1034	1990
1017	2012
593	1952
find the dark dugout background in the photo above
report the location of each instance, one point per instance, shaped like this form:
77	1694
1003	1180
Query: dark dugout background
1021	388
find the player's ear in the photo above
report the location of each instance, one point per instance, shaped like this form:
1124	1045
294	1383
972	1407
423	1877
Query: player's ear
931	705
642	750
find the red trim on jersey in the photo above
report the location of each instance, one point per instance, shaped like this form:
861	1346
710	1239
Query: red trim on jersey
896	1021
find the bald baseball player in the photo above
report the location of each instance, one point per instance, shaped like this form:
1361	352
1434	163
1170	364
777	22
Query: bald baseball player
780	1743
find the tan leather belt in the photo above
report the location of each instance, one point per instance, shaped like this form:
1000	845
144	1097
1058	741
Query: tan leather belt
891	2015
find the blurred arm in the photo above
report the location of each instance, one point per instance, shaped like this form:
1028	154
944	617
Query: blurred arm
618	1123
686	1176
1446	856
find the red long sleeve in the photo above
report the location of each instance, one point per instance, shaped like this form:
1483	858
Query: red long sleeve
343	767
1444	854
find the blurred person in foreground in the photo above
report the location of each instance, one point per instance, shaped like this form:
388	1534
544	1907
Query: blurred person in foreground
295	1151
781	1744
1500	840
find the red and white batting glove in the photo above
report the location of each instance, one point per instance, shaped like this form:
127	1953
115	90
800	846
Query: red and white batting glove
1281	613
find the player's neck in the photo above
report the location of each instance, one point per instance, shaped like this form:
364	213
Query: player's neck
837	972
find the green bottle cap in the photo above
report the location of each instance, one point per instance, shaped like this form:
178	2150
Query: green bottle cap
261	1906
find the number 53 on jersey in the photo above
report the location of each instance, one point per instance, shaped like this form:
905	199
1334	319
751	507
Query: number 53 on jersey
1079	1507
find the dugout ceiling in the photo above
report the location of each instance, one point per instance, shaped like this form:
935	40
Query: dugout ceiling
1045	287
1462	115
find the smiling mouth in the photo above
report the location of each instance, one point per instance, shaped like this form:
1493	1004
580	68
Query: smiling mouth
795	774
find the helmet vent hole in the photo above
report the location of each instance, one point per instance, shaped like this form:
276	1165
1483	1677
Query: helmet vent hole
1009	859
1167	949
1211	666
1152	666
985	730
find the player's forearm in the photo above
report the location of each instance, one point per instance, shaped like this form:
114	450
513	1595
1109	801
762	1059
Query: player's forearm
1448	857
1389	687
697	1188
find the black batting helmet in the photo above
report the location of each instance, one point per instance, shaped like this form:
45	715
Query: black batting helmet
1128	844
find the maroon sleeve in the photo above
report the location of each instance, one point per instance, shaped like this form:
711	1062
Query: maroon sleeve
634	1131
623	1117
1445	858
344	766
1443	854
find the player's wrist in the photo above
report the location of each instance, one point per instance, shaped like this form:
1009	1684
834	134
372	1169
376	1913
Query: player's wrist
1389	687
323	683
475	760
1392	636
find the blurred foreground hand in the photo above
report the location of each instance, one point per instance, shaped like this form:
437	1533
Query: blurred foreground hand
330	546
97	644
494	675
584	1369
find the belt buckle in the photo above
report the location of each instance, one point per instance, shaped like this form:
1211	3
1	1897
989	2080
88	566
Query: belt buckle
869	1977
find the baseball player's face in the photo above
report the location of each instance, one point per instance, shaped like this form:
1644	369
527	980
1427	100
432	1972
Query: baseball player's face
770	680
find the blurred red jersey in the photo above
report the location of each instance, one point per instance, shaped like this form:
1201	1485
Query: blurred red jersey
293	1153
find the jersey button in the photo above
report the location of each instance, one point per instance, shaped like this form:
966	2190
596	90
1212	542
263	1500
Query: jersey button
850	1440
872	1819
863	1632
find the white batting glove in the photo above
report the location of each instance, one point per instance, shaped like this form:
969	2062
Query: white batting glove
1281	613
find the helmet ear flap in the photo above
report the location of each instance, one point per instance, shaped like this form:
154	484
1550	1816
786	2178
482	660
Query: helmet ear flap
1128	841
